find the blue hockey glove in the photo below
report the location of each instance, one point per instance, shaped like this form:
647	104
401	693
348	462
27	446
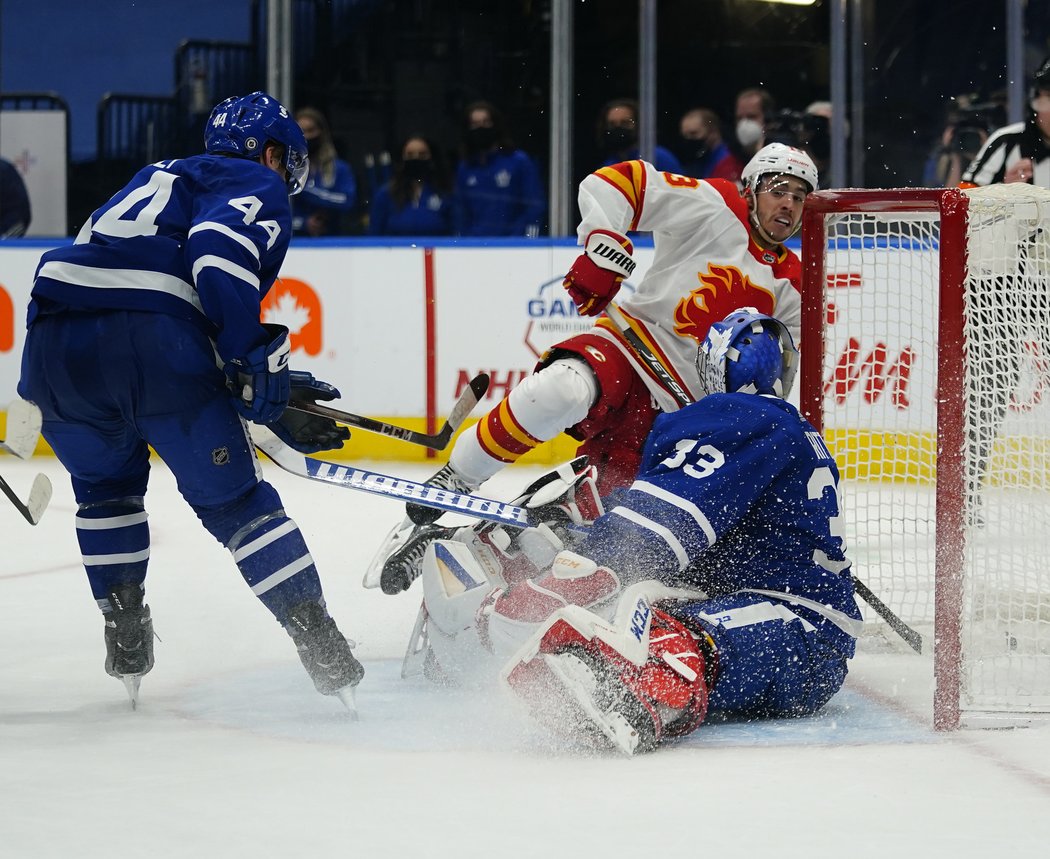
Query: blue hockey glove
259	380
309	433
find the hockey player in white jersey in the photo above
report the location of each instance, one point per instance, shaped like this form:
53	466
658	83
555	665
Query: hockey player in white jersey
146	332
715	249
717	583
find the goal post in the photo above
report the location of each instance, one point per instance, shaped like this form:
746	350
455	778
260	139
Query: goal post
925	361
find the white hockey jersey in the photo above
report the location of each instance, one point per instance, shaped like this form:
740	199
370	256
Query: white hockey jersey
705	265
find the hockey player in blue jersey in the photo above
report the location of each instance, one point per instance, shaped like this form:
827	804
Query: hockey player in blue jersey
138	333
716	584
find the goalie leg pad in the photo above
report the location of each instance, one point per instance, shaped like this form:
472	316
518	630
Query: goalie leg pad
455	586
575	671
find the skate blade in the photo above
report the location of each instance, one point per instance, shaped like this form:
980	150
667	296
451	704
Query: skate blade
131	684
393	541
349	698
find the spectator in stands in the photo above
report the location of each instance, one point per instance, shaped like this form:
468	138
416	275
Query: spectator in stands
417	201
498	188
754	109
618	137
15	213
702	151
1019	152
330	196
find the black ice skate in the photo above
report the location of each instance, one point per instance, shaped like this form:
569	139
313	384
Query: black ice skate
129	638
325	653
406	564
446	478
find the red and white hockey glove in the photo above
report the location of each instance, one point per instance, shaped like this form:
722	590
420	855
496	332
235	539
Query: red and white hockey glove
595	277
586	688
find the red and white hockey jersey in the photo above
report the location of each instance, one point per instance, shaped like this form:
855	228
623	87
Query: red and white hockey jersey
706	264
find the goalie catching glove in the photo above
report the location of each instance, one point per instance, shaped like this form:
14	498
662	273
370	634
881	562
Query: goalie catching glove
259	380
595	277
305	432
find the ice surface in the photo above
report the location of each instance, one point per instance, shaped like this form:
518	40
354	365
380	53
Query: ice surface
232	754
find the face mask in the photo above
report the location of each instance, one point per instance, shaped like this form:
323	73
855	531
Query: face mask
481	139
418	168
748	132
618	139
692	149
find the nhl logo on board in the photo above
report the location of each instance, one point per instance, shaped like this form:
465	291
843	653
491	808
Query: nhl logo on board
220	456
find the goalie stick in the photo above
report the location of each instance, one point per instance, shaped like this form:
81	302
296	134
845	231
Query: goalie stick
649	358
23	429
470	397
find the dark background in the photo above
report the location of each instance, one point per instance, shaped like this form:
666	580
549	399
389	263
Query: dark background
381	69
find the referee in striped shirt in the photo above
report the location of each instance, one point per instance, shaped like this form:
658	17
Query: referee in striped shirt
1018	152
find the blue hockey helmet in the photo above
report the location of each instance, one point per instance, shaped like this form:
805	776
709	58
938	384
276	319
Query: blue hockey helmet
747	352
242	126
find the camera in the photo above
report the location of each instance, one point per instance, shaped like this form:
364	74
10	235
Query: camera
804	130
973	125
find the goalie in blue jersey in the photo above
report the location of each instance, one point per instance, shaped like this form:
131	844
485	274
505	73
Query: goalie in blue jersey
146	332
716	583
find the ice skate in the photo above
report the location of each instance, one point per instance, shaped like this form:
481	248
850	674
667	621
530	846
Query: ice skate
325	653
129	639
405	565
446	478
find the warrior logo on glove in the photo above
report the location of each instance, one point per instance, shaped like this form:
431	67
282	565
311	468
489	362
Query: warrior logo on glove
595	277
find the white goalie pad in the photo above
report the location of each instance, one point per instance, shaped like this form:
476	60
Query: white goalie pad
455	584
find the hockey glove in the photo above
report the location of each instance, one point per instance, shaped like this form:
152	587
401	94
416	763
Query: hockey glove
259	380
305	432
595	277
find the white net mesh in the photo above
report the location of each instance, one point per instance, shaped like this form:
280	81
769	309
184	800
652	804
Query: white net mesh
880	418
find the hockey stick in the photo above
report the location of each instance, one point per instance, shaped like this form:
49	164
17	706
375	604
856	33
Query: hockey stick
23	429
39	497
349	477
645	354
439	441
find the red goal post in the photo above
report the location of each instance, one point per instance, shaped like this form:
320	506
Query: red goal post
925	353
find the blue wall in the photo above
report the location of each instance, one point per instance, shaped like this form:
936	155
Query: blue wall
82	49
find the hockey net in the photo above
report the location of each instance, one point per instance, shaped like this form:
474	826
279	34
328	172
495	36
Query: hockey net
926	363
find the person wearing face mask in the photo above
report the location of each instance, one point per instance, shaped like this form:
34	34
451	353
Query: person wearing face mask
417	201
618	137
703	153
498	187
1019	152
754	107
330	195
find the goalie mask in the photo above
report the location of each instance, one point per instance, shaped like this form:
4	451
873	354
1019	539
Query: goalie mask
243	125
747	352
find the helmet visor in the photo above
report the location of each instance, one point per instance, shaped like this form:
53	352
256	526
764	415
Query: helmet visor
297	164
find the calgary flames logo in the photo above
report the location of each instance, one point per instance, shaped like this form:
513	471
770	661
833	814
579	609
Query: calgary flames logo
722	290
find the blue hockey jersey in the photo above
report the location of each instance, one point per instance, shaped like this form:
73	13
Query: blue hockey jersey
735	492
200	238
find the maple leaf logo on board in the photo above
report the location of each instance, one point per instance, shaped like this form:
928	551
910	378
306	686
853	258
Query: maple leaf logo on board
294	304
